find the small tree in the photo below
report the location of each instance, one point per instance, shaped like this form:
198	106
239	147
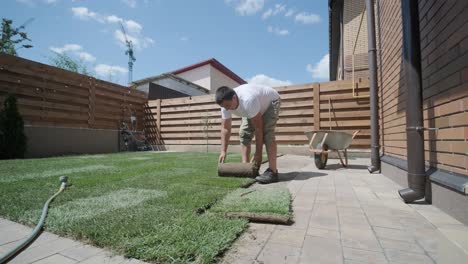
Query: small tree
64	61
11	37
207	124
12	137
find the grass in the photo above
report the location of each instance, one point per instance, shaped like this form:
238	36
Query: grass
142	205
263	203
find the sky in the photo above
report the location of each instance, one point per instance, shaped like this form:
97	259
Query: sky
273	42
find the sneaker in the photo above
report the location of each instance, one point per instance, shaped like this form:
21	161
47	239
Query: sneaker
267	177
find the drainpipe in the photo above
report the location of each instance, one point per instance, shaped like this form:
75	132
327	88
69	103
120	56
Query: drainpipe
375	155
414	116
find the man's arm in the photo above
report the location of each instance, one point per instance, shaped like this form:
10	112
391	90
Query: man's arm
257	122
225	135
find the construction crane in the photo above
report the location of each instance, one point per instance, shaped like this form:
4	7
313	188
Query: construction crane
128	52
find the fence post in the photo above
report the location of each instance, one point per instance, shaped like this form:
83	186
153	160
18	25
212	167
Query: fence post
158	113
316	88
91	102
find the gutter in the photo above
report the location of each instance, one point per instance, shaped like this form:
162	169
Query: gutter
374	110
414	115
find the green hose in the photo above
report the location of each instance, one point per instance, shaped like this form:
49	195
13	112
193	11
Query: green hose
7	256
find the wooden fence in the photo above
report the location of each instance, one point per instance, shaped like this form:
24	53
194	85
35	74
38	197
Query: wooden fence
197	120
49	96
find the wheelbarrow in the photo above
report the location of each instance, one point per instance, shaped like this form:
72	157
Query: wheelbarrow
321	142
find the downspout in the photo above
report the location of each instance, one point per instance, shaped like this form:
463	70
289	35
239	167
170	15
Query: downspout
374	111
342	44
414	115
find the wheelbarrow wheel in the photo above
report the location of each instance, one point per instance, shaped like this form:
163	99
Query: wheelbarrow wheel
321	158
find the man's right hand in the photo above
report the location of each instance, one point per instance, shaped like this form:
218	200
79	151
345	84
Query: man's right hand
222	157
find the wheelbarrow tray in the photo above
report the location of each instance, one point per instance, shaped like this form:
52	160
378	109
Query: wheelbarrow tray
323	141
335	140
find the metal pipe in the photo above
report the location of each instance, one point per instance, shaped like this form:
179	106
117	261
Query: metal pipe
13	252
375	148
414	115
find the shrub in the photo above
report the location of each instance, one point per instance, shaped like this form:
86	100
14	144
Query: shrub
12	137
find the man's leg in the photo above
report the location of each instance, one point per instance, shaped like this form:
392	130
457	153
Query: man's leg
246	131
272	153
245	150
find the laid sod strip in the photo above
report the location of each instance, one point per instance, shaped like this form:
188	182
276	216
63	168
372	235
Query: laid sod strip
262	204
141	205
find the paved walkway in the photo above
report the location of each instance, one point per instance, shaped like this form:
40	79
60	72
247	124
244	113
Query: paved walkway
341	216
52	249
350	216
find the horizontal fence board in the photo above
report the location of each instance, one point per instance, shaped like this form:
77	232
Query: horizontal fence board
50	96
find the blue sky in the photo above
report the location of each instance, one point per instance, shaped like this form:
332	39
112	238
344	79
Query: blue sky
276	42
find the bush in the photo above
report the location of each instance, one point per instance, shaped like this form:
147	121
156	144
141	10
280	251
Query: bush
12	137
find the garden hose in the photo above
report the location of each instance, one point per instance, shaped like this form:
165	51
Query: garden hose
7	256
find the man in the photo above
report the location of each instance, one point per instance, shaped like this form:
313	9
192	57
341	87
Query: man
258	105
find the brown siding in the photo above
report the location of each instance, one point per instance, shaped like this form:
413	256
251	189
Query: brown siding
392	97
444	59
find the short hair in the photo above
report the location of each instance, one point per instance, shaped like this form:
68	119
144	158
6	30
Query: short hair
224	93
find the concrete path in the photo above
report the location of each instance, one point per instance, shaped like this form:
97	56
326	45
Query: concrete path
52	249
346	215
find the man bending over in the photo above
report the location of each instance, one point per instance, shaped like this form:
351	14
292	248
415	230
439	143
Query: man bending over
258	105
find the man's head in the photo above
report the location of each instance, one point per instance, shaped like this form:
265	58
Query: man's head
227	98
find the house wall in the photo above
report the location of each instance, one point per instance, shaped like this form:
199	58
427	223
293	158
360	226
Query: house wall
179	87
352	10
444	66
220	79
200	76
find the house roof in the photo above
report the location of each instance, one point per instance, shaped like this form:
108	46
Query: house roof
216	64
170	76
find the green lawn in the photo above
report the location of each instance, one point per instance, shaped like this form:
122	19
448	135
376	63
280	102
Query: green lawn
142	205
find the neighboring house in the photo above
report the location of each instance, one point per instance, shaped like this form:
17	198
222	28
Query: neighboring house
198	79
168	85
443	41
210	74
348	36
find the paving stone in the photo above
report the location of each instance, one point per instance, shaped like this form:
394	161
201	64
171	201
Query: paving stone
401	245
397	256
364	255
45	250
288	236
56	259
12	233
81	252
279	253
360	239
394	234
104	258
321	251
438	219
325	233
303	203
301	218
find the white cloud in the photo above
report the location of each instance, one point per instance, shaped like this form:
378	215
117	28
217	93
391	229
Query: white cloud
67	47
269	81
274	11
290	13
85	56
306	18
76	50
278	31
184	38
33	3
130	3
321	69
105	70
85	14
133	29
247	7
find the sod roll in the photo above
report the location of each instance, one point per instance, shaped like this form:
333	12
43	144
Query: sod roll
237	170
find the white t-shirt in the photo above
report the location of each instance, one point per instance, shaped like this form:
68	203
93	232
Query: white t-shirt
253	98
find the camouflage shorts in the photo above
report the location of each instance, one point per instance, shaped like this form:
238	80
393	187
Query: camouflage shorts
270	117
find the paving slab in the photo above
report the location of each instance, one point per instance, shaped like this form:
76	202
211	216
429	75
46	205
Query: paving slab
49	248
